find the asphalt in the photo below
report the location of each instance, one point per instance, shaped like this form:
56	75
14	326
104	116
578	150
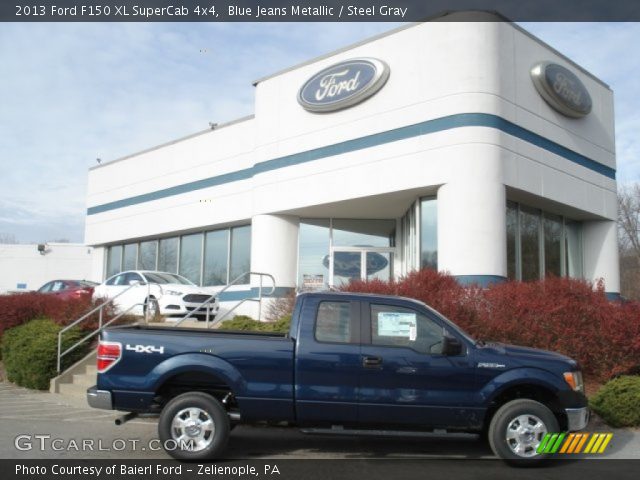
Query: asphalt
41	425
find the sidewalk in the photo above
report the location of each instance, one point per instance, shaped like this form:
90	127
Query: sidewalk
625	443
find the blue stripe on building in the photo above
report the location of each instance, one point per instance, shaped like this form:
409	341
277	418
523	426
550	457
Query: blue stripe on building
237	295
424	128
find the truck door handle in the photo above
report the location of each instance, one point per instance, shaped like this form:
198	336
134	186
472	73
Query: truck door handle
371	362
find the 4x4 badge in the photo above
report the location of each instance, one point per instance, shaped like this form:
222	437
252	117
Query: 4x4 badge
144	348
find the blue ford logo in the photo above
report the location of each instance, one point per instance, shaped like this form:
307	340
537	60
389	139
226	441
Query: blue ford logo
561	89
347	264
343	85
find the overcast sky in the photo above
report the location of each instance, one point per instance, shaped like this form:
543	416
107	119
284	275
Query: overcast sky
70	93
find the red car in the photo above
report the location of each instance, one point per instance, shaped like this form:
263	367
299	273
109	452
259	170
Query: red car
69	289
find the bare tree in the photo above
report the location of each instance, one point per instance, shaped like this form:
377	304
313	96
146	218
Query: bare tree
7	238
629	240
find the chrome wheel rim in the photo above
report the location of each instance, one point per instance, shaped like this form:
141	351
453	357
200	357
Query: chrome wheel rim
524	435
193	429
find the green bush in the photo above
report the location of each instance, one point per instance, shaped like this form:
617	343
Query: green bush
618	402
30	351
242	322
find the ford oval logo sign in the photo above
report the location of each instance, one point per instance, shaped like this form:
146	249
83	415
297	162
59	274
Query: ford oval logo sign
561	89
343	85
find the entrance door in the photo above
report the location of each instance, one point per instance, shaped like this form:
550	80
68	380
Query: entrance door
360	263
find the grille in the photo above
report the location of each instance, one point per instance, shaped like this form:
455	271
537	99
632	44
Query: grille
196	298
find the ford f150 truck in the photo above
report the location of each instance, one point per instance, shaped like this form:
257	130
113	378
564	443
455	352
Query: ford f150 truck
351	363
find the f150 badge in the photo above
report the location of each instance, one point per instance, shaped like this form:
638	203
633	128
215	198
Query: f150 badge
491	365
144	348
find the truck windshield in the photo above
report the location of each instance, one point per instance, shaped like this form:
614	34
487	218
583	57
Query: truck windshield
166	278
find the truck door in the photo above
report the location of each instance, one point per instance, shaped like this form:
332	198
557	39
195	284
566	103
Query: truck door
328	362
405	379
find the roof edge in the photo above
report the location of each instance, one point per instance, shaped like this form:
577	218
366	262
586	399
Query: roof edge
177	140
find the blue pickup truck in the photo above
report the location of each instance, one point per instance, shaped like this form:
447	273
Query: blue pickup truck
351	364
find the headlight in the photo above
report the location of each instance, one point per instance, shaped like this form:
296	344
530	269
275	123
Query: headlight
574	379
172	292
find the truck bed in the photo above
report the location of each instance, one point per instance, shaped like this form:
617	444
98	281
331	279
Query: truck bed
257	366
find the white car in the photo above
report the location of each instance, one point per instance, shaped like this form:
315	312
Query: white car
164	294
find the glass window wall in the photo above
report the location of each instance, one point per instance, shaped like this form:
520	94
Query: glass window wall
129	259
429	233
363	233
240	253
191	257
530	243
216	257
541	244
147	254
168	255
552	245
313	253
114	260
184	255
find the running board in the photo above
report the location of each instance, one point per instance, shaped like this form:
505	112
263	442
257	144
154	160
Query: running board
339	430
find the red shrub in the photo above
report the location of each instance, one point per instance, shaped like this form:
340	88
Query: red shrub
560	314
371	286
20	308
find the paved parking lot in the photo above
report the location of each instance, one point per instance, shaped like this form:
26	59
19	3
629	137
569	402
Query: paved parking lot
49	428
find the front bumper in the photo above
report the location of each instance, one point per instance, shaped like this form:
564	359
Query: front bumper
180	309
577	418
99	398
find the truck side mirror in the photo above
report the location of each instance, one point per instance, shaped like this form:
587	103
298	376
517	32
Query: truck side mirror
451	346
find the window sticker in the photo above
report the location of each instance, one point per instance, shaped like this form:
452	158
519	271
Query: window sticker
397	324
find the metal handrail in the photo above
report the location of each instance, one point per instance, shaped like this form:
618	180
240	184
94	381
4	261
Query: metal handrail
90	335
102	325
218	293
228	312
100	322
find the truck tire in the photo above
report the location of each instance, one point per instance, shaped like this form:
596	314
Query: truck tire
517	429
193	426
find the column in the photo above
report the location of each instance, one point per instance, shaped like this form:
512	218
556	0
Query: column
472	234
600	243
274	248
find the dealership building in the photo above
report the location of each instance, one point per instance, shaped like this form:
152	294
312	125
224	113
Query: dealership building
471	148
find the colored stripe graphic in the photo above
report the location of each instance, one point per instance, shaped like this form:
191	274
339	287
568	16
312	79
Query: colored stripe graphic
582	442
606	441
572	443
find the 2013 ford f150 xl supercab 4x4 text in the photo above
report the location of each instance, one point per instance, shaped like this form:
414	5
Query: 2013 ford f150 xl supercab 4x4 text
351	363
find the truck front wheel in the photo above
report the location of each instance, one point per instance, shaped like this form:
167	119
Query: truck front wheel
193	426
517	429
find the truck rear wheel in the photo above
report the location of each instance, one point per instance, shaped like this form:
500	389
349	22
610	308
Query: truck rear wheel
517	429
193	426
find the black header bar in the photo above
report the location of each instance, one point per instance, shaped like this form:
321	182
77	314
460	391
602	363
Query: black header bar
318	10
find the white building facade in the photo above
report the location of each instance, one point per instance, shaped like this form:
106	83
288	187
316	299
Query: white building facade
27	267
473	148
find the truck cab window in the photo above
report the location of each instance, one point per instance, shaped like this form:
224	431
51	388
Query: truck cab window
402	327
333	323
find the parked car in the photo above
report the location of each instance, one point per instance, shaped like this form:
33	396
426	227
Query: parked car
142	292
68	289
351	364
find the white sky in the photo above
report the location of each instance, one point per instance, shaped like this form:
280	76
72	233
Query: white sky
70	93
